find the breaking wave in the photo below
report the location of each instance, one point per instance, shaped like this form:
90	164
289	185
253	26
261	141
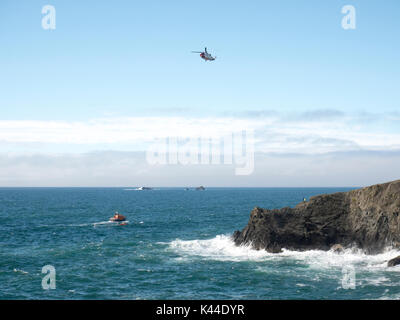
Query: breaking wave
222	248
219	248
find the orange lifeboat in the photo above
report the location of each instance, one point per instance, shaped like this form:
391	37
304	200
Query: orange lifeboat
118	217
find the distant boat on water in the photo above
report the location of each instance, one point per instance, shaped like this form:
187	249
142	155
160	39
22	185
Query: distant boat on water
118	217
144	188
201	188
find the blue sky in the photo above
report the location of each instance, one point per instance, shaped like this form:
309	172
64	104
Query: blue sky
132	59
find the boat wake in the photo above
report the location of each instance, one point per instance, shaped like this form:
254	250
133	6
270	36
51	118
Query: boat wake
20	271
98	224
139	189
110	223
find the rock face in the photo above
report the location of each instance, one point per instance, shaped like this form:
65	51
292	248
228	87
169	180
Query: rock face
368	218
394	262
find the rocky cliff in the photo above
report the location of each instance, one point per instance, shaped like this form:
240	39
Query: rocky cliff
368	218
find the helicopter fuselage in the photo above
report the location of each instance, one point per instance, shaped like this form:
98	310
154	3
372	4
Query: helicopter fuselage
207	56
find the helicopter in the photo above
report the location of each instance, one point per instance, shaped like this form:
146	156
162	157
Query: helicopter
205	55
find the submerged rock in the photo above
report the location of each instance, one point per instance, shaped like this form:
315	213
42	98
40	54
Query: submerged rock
337	248
394	262
368	218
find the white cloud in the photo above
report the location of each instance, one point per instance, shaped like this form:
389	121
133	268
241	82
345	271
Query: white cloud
310	133
116	130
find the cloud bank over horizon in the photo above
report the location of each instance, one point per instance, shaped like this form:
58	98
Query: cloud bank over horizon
312	132
130	169
313	148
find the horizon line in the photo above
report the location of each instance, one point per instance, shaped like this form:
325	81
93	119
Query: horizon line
175	187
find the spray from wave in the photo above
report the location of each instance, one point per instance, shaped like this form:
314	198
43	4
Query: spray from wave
309	268
222	248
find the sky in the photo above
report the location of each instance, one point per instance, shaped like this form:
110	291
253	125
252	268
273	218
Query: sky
81	105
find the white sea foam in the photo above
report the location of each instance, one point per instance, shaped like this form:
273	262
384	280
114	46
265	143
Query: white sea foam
219	248
223	248
20	271
319	259
310	267
108	223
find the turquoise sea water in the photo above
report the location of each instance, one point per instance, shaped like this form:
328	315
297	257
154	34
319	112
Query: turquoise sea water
176	246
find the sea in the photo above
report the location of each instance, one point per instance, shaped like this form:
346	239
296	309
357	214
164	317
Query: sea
58	243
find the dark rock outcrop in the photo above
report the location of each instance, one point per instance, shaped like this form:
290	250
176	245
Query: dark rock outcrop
394	262
368	218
